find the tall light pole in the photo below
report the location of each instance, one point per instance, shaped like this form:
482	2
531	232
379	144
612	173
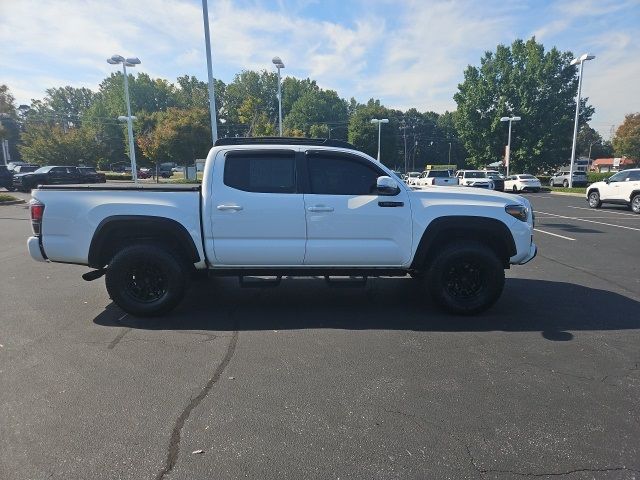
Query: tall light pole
278	63
449	153
212	95
507	157
128	62
380	121
581	59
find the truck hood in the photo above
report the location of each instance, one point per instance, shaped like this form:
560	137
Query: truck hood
468	195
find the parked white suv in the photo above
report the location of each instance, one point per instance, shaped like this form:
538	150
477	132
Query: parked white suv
284	207
475	178
622	188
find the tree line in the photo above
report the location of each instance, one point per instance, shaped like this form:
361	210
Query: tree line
78	125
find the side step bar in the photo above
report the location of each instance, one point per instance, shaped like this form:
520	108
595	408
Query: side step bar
348	282
257	282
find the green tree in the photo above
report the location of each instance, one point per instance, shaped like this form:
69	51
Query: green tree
626	141
179	135
9	127
364	135
250	103
315	111
523	80
45	144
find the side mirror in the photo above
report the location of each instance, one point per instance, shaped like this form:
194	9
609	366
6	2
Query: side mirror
607	180
386	185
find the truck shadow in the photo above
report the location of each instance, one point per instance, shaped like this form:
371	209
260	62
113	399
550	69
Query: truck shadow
552	308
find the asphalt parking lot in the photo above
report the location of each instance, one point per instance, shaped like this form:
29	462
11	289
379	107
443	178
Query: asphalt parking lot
310	381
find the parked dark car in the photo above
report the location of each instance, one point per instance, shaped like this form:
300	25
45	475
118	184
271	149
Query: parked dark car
6	178
498	180
53	175
27	167
90	175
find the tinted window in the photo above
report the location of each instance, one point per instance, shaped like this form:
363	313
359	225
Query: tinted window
527	177
619	177
262	173
338	175
438	173
43	170
475	175
634	176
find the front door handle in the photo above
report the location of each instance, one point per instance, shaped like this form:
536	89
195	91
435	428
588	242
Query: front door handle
320	208
229	207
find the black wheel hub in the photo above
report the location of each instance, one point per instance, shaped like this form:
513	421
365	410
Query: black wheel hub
146	282
464	279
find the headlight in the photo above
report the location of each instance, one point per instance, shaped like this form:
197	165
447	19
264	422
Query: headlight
518	211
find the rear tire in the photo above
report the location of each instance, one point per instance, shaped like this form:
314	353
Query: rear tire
635	203
515	189
565	184
146	280
466	278
594	200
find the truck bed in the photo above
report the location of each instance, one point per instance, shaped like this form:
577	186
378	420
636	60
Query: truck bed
147	187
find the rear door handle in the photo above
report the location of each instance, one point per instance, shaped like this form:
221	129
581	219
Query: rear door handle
229	207
320	208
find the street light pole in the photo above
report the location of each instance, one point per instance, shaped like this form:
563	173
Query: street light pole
508	154
212	95
278	63
128	62
380	121
584	57
449	153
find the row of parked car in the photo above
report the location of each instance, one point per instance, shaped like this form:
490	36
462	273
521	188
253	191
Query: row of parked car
24	177
489	179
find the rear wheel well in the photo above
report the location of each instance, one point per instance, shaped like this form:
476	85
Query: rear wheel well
115	233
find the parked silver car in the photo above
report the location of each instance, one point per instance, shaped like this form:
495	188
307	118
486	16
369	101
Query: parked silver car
561	179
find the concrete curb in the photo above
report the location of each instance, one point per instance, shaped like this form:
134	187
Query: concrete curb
12	202
569	194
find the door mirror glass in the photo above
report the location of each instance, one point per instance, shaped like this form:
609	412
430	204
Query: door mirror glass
387	186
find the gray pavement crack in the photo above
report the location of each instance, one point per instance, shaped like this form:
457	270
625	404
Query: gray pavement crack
484	471
119	337
174	442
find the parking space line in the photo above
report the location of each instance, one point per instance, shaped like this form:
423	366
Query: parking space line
554	234
607	211
590	221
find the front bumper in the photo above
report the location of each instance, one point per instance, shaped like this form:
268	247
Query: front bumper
533	251
35	249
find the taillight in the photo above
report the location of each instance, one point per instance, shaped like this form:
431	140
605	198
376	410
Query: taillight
37	211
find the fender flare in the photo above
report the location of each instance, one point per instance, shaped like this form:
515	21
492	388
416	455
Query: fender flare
496	232
139	227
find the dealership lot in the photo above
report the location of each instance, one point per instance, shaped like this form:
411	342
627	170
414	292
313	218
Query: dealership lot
311	381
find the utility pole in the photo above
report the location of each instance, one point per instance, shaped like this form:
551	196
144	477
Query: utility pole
212	95
404	133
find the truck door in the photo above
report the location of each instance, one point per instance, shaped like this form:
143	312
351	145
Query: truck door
348	223
257	214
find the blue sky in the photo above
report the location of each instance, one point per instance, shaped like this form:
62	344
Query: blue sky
406	53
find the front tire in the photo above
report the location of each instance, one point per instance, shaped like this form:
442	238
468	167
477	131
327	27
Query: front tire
515	189
146	280
465	278
565	184
594	200
635	204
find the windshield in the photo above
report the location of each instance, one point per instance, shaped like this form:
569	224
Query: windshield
414	174
475	175
438	173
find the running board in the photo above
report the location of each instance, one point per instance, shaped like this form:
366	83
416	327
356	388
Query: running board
348	282
259	282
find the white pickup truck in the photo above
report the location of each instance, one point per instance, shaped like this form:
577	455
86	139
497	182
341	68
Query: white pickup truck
442	178
280	206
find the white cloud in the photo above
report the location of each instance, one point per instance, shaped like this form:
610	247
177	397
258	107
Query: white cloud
408	54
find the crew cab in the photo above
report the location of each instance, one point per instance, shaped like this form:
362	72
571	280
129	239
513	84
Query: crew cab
284	206
436	177
622	188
